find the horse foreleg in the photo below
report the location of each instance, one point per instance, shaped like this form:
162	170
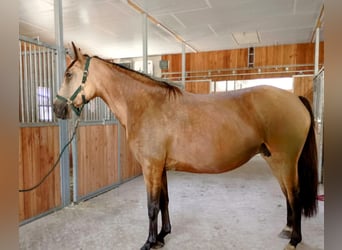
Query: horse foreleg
164	208
152	177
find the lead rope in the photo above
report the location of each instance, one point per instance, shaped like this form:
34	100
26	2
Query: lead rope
57	161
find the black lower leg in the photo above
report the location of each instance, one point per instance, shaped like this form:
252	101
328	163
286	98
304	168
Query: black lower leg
296	236
164	208
153	210
287	231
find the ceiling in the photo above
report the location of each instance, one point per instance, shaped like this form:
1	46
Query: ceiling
113	28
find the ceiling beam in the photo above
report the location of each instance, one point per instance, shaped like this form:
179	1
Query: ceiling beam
318	23
160	25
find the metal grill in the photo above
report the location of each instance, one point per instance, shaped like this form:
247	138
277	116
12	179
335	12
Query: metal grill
97	111
37	81
38	86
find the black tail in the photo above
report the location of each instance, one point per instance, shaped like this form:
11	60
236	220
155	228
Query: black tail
307	169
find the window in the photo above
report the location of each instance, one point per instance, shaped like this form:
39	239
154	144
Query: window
224	86
44	104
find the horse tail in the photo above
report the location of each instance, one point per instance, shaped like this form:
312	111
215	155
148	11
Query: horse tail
307	169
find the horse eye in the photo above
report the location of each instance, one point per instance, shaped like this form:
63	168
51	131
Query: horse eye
68	75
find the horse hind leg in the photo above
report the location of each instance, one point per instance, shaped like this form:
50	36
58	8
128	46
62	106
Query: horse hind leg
292	229
164	208
287	231
285	170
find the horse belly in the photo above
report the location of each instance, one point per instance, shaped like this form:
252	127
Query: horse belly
208	158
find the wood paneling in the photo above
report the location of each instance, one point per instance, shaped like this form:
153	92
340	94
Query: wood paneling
98	158
38	151
287	54
202	87
97	147
222	63
303	85
221	59
129	166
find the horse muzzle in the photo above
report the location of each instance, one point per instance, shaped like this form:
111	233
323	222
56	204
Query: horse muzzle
61	109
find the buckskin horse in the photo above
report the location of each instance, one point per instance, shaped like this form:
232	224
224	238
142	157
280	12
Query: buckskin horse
170	129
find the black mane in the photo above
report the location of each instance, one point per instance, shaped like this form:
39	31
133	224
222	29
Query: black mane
170	86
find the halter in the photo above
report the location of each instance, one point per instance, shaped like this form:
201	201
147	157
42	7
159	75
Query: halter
70	100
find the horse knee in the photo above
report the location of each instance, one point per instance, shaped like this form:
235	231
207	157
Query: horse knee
153	210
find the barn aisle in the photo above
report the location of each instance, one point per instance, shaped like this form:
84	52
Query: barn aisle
242	209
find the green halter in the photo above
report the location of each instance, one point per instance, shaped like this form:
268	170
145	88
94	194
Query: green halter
70	100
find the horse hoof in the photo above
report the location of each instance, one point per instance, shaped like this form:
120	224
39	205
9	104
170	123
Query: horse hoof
149	245
285	233
157	245
146	246
289	247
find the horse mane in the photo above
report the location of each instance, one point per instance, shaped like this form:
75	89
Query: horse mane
171	87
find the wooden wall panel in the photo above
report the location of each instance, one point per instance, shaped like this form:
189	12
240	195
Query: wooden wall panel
98	158
275	55
221	59
97	147
293	54
129	166
303	85
38	151
287	54
202	87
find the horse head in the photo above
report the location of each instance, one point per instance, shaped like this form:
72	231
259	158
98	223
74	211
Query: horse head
77	88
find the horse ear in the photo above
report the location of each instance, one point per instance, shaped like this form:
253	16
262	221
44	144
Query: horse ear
68	59
77	53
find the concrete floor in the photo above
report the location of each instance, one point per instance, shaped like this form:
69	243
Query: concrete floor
242	209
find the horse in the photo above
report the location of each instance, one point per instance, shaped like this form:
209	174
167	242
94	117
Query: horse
168	128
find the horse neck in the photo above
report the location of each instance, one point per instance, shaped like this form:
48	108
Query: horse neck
124	92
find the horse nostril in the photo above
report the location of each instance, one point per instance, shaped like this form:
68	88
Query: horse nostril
60	109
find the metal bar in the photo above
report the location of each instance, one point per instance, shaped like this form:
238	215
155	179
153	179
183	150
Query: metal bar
38	124
40	216
243	68
63	135
52	83
317	51
42	107
318	22
40	82
54	78
119	152
49	85
21	86
92	123
32	94
144	38
183	64
74	149
36	67
27	103
97	192
34	41
245	74
318	112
